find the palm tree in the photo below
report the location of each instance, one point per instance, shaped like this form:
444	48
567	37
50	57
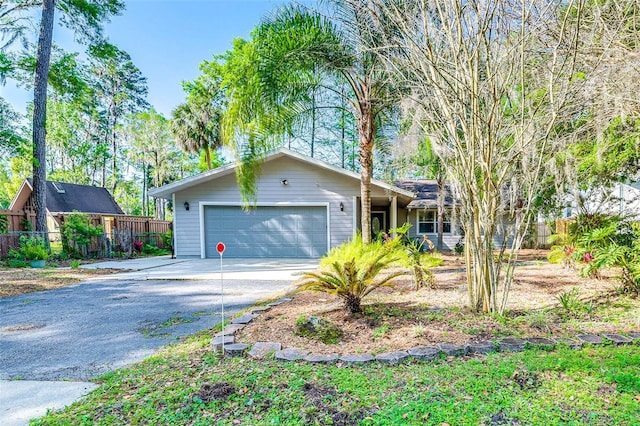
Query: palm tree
297	41
196	127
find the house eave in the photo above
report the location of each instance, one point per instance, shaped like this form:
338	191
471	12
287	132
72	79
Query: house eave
166	191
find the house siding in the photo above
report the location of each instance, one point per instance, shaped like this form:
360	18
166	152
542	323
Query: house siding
306	185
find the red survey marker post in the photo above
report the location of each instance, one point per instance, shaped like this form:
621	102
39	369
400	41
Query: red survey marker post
220	248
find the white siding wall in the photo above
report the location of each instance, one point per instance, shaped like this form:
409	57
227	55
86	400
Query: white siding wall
306	184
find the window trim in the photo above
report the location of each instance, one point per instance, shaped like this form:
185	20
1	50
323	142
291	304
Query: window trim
435	222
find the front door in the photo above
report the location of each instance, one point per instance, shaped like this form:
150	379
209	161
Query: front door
378	223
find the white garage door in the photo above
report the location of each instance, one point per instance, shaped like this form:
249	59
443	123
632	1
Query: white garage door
270	232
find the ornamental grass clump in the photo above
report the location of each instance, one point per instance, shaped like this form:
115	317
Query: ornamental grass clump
352	271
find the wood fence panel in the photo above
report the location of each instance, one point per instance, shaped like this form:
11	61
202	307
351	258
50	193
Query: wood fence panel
562	226
16	219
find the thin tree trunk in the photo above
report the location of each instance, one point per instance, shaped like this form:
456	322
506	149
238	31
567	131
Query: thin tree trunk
207	156
313	122
114	172
440	212
342	127
145	204
40	116
366	131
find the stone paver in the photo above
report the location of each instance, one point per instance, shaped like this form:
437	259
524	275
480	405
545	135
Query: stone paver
260	309
590	338
236	349
618	339
481	348
357	359
291	354
231	330
244	319
261	350
635	335
322	358
424	353
541	342
450	349
395	357
512	344
218	341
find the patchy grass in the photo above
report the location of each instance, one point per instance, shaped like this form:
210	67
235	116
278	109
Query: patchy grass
152	329
188	384
14	282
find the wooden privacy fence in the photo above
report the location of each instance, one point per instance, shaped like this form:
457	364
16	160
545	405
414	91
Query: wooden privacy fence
120	231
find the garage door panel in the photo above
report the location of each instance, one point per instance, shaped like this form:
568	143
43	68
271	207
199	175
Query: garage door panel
268	231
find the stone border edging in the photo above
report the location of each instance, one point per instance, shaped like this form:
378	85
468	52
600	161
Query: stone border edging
261	350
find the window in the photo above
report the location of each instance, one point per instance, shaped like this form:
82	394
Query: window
428	223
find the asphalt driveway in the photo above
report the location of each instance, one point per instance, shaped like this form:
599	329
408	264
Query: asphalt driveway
79	332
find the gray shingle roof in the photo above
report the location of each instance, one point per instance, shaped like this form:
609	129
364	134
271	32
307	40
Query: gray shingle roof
65	197
426	191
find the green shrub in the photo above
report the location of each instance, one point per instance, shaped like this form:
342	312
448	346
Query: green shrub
17	263
614	243
77	232
31	248
459	247
351	271
167	239
75	264
152	250
4	224
418	262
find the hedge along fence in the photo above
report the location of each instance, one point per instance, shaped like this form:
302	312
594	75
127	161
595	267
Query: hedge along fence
112	245
120	232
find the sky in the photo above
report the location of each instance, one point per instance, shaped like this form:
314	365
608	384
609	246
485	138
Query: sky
167	40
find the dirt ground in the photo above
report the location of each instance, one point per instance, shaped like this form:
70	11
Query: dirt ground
16	281
401	317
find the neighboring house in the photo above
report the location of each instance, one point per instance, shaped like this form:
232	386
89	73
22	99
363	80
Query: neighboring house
621	199
63	198
304	207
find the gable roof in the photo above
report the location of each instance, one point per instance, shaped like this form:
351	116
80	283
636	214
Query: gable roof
165	191
426	193
65	197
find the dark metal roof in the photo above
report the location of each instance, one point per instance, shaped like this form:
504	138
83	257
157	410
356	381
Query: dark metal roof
426	191
65	197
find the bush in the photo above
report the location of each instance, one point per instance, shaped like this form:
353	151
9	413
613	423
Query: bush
167	239
152	250
17	263
77	232
415	259
4	224
353	270
613	243
31	248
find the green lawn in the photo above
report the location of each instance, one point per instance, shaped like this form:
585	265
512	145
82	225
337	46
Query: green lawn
596	386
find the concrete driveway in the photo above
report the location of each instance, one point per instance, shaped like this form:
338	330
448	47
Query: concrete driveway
79	332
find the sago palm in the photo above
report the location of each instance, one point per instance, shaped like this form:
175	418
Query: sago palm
355	278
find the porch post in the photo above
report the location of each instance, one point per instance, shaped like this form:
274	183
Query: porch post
393	214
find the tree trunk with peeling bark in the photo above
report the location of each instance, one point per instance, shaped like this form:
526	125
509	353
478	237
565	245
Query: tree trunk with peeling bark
366	135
